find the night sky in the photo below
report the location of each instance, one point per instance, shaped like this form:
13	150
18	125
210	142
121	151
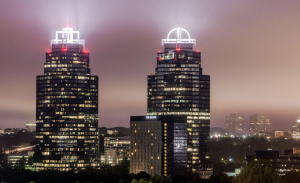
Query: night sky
251	50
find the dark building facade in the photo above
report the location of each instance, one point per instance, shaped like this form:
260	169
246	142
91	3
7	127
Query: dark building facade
159	145
66	107
179	90
282	163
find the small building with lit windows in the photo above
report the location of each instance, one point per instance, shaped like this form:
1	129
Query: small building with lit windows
30	127
13	158
296	130
66	107
282	163
116	149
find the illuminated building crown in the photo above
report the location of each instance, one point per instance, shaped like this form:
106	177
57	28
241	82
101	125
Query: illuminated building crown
179	38
67	36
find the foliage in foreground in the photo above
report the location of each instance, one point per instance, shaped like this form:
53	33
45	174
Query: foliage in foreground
237	148
257	172
107	174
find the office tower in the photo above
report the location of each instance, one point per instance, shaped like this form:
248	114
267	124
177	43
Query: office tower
296	129
178	121
260	123
234	123
66	106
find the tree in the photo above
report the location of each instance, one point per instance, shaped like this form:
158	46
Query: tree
30	162
160	179
142	175
291	177
3	160
140	181
21	163
192	177
168	179
125	163
257	172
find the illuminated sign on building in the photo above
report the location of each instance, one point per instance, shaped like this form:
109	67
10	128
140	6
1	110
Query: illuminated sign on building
151	117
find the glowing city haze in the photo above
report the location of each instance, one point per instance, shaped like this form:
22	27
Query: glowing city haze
249	48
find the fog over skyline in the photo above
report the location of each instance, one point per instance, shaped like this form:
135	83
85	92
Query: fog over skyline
250	49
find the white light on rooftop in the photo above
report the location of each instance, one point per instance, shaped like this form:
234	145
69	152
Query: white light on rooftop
179	37
67	36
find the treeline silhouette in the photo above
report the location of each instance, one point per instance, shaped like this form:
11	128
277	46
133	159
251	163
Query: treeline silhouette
107	174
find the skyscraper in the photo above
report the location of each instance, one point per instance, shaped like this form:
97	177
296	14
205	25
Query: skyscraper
235	123
260	123
66	106
178	123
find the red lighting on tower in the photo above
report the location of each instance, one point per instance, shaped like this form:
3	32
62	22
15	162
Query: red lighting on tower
64	49
177	49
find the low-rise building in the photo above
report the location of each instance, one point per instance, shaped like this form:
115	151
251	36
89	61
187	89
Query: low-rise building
282	163
30	127
13	158
284	134
111	157
8	131
115	150
236	172
112	132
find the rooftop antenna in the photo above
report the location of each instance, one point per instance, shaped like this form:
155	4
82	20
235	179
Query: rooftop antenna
178	32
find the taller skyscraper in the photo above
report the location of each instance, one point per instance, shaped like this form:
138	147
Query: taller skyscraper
234	123
66	106
177	127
